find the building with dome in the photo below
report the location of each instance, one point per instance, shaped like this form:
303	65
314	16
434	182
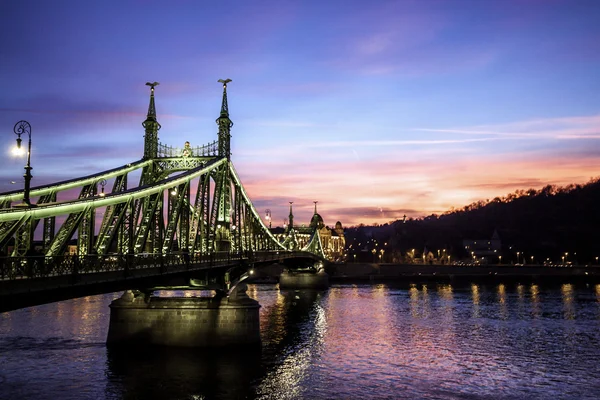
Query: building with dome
295	236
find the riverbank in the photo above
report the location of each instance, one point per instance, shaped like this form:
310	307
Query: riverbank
403	272
367	272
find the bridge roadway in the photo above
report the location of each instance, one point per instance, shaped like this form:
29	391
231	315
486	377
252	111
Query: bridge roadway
28	281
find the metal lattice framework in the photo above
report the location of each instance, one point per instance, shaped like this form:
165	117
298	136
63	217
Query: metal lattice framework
188	200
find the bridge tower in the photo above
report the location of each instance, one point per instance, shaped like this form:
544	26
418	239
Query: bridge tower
224	124
221	212
151	127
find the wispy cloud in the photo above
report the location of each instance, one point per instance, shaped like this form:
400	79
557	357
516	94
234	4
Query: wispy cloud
550	128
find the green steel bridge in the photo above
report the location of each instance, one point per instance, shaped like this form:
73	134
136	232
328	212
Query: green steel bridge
185	218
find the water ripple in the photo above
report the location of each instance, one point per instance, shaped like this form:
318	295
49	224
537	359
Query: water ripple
426	341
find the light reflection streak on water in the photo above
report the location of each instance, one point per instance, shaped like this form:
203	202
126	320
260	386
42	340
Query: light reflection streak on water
252	291
568	298
284	382
380	334
444	344
535	300
598	293
381	311
522	302
475	298
426	302
502	301
431	343
445	292
273	317
521	292
420	304
413	292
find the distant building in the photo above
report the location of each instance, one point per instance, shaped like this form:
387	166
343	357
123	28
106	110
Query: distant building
484	247
296	237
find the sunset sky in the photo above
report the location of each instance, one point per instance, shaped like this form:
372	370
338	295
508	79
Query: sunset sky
375	109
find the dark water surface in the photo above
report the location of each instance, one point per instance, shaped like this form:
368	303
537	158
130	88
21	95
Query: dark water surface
429	341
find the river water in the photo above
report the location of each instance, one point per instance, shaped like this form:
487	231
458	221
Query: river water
413	341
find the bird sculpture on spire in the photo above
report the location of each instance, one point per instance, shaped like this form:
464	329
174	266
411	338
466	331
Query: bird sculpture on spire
224	82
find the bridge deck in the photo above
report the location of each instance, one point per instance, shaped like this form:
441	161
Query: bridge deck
26	281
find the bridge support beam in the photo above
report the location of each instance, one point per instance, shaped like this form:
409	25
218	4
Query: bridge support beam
184	321
290	279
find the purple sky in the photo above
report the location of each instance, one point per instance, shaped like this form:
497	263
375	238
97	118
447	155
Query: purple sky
374	108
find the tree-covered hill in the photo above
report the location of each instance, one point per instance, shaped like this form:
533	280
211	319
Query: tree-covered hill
545	223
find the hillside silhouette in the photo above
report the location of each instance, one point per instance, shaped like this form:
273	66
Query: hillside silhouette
545	224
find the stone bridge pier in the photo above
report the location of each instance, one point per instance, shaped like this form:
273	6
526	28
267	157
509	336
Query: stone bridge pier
216	321
303	274
299	279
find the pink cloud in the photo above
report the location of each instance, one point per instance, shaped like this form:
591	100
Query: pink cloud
384	191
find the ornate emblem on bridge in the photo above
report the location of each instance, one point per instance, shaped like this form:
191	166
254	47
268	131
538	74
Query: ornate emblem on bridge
187	150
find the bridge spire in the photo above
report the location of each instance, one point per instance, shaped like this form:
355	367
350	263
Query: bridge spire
315	206
291	218
151	127
224	124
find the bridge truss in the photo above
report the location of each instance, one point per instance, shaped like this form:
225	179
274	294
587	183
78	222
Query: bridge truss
186	200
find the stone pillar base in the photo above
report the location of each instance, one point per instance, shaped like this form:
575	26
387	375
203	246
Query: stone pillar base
303	280
183	321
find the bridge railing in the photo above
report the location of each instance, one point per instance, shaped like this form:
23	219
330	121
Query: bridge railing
35	267
210	149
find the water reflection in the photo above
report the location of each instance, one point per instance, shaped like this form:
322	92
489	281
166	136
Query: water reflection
535	300
420	306
425	340
173	373
475	298
568	301
502	301
293	330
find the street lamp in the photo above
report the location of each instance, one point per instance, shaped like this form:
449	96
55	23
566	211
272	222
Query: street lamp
20	128
102	184
268	216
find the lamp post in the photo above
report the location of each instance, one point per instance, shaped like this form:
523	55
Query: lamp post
21	128
102	184
268	216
